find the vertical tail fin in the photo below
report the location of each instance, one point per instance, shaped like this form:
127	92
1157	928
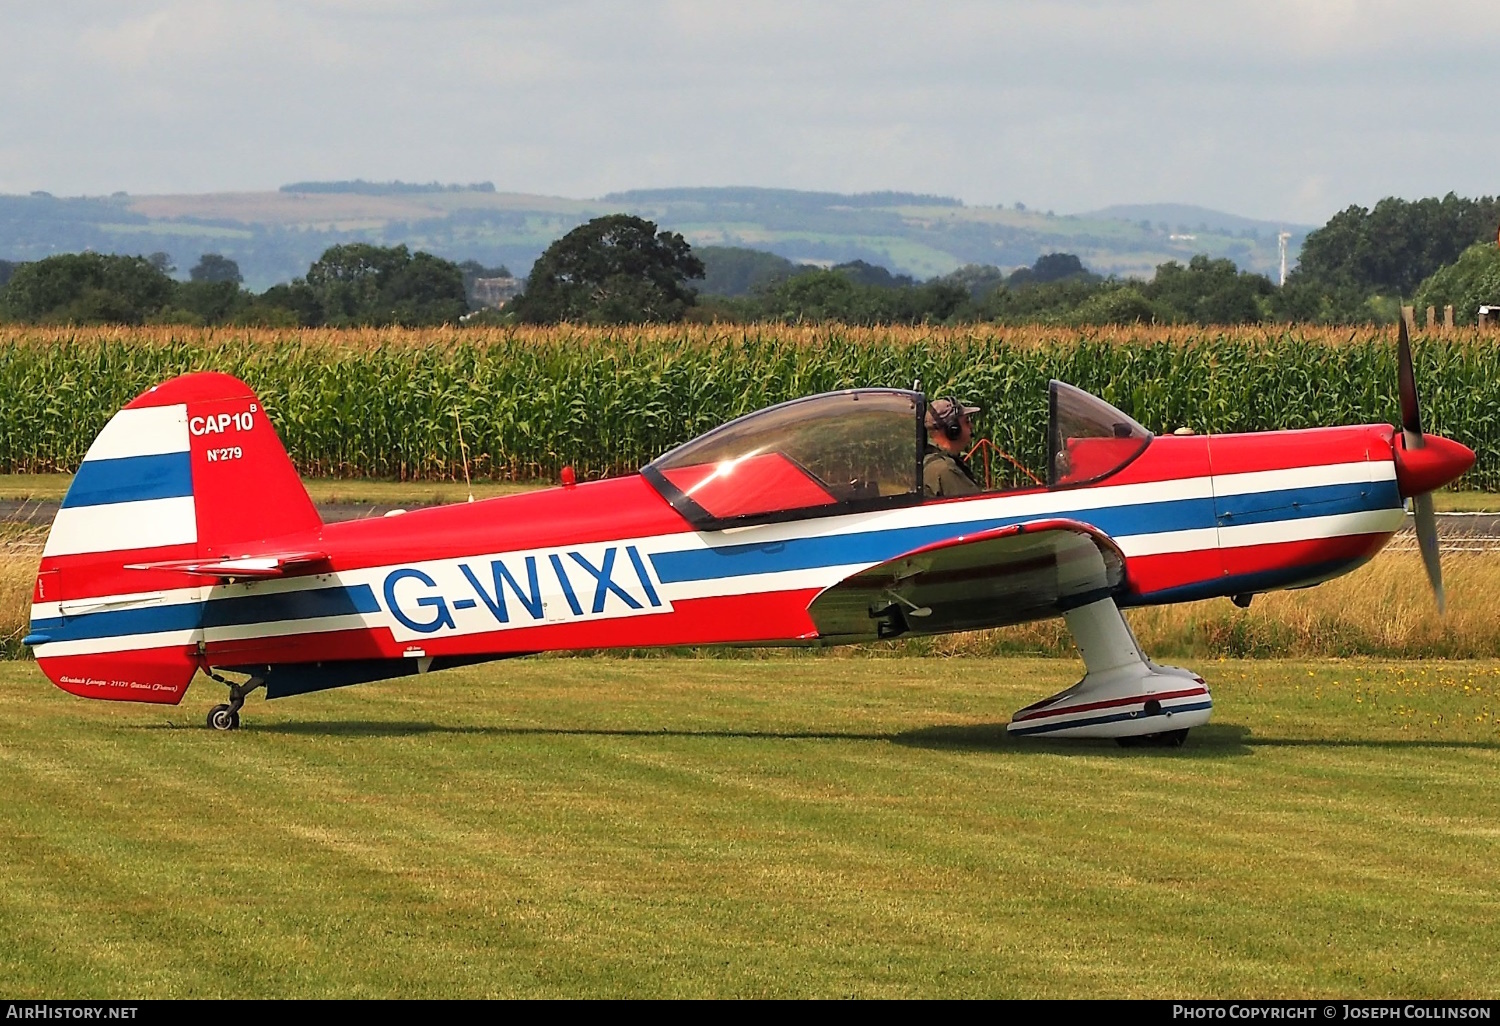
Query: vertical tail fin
190	469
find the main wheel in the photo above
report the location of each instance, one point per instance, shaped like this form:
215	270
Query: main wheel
223	717
1163	739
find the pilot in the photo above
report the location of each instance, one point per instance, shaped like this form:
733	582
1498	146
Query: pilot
949	434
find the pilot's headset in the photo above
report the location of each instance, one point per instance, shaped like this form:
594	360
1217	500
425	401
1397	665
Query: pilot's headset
951	419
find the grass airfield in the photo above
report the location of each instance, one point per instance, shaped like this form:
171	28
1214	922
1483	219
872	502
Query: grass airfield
793	825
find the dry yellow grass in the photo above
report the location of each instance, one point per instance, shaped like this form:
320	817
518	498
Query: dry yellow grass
20	550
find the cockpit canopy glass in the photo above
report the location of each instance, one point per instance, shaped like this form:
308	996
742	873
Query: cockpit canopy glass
1087	438
826	454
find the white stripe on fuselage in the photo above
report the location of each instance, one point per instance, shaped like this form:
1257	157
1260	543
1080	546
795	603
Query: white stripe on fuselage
1076	504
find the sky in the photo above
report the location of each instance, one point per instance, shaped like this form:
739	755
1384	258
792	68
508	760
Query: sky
1277	110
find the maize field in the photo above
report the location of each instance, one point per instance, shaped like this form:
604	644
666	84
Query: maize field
395	403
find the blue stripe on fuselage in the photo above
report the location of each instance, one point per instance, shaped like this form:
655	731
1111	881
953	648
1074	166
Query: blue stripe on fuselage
1294	503
131	479
878	546
1115	521
228	612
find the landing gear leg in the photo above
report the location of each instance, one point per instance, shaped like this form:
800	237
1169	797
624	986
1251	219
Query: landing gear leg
227	717
1123	694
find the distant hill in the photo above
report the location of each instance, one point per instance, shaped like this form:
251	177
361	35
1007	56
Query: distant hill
274	236
749	196
1183	217
359	185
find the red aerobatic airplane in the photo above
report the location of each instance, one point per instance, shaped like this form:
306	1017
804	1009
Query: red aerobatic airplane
187	542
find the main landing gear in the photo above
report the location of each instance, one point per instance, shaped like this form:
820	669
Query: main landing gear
1123	694
227	717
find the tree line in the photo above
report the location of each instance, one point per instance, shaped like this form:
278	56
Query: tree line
1358	268
349	285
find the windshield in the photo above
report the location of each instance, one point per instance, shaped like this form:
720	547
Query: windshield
825	454
1087	438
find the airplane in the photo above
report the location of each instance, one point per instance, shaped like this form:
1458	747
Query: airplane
186	543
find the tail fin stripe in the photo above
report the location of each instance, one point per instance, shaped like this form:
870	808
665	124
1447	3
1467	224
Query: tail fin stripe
150	523
145	431
131	479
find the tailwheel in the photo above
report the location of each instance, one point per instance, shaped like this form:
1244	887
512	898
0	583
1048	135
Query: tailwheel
227	717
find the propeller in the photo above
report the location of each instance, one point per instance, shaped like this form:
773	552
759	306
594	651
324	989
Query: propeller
1415	441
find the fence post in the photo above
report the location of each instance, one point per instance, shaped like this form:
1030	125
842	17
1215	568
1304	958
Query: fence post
1409	315
1431	318
1448	319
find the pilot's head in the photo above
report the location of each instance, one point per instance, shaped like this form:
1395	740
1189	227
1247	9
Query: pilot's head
948	424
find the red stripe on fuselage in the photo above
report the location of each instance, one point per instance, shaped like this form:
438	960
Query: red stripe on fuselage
1312	447
1168	571
622	507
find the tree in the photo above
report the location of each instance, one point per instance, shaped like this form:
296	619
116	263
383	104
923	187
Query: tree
427	290
1050	268
1209	291
737	271
359	283
977	279
1057	267
87	288
1395	245
162	262
211	267
862	273
347	280
1473	280
1122	305
613	270
210	302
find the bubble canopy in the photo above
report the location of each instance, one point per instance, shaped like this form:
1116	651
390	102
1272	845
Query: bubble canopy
1087	438
858	450
833	453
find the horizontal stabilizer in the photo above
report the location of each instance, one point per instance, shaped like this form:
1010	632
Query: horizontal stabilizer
276	564
992	578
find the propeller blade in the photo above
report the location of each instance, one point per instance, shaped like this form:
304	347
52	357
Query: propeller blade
1406	381
1427	541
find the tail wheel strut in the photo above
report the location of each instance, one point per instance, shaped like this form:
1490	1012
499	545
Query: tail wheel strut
227	716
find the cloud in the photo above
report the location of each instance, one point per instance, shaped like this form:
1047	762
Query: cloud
1273	109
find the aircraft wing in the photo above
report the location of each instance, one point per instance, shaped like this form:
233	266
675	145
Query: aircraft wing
992	578
273	564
